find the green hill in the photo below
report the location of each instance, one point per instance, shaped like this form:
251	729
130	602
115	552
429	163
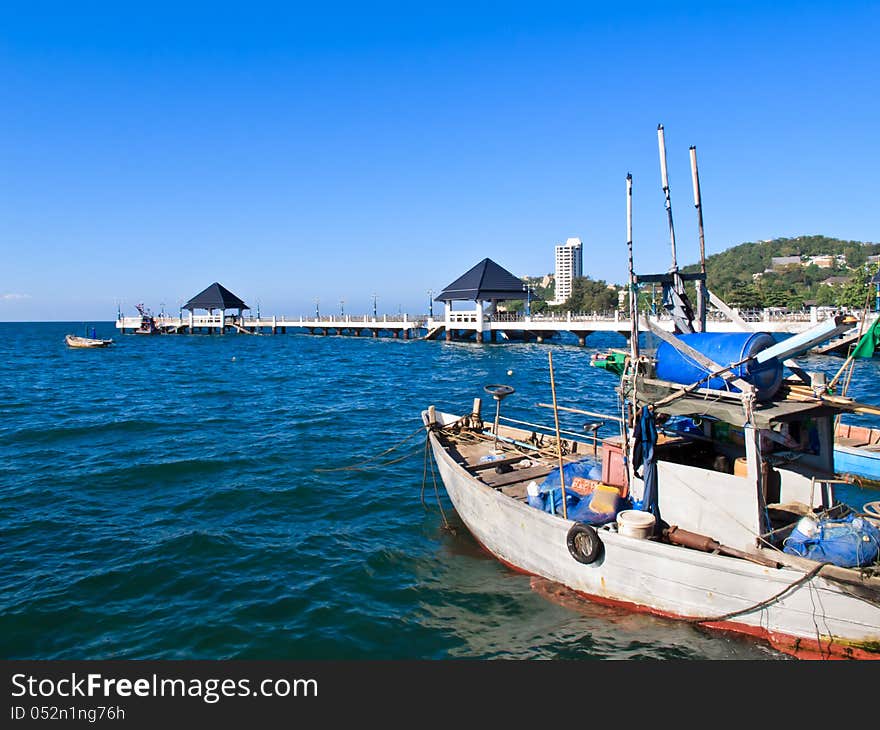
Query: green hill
745	275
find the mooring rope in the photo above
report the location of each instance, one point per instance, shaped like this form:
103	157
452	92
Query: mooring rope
358	465
427	460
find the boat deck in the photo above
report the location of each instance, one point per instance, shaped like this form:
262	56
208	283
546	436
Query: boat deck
519	458
860	437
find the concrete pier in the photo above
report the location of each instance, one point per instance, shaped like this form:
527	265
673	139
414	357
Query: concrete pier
462	325
395	326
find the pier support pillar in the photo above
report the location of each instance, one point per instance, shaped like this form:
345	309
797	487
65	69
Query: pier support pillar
448	335
478	336
405	334
375	333
493	336
540	339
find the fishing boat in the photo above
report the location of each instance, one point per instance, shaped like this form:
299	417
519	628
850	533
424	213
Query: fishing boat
857	451
76	341
147	324
714	505
742	533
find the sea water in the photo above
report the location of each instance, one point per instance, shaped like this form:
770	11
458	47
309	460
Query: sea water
214	497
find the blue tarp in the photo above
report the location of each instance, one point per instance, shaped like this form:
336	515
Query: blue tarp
588	468
848	542
644	442
583	511
578	508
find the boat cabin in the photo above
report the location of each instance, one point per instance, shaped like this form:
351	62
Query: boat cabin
734	468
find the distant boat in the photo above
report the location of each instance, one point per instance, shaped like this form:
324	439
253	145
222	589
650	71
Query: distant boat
76	341
148	322
857	451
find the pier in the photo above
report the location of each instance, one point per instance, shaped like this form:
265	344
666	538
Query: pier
458	325
476	325
473	310
400	326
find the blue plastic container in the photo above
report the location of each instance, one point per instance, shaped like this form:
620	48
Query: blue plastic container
725	349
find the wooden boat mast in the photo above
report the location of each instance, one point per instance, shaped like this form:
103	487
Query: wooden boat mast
698	204
633	288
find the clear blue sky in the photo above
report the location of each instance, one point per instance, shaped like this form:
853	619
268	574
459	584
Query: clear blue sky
294	151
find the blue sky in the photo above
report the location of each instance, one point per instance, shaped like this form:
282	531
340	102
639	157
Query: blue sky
295	152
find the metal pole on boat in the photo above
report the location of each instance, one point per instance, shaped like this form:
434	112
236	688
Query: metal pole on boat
633	291
664	177
698	204
675	294
558	437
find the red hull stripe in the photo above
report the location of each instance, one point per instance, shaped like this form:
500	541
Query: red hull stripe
793	645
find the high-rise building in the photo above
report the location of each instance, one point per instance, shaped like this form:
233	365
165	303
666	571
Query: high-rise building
569	264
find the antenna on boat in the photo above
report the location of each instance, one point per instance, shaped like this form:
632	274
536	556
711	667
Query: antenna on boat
633	291
664	177
698	204
675	298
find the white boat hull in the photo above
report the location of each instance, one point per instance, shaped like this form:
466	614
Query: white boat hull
816	619
74	341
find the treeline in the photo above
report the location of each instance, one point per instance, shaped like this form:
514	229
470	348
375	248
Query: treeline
587	295
731	275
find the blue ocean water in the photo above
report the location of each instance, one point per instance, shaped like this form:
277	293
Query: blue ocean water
196	497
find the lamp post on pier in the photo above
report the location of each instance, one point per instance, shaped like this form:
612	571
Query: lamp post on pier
528	290
342	308
317	313
374	305
431	303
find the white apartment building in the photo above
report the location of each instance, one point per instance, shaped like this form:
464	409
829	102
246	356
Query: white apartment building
569	264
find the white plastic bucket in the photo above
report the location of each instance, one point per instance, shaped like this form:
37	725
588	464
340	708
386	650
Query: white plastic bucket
635	523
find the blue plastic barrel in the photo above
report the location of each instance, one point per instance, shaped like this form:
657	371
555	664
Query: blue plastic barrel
725	349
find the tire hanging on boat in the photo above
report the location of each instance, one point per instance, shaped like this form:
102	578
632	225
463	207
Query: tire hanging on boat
584	543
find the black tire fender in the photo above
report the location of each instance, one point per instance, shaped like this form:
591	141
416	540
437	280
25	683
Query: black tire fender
584	543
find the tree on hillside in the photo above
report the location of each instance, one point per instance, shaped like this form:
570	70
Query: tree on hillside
859	291
744	295
826	297
588	295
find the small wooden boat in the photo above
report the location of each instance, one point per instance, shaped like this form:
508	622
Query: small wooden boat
857	451
76	341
